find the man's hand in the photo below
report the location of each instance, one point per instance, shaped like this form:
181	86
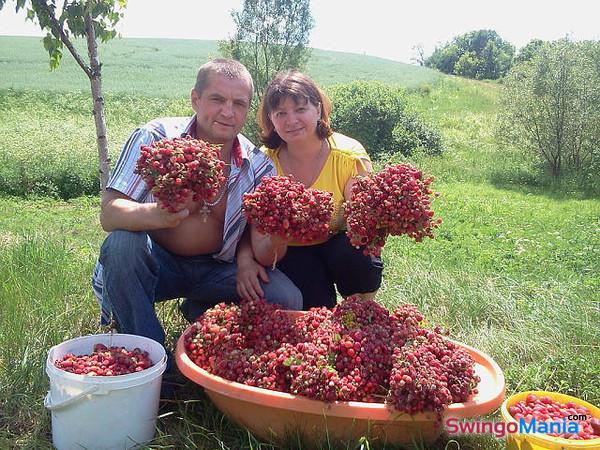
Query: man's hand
247	279
118	211
190	204
169	219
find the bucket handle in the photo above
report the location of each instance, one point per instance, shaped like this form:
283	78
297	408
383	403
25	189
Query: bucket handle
69	401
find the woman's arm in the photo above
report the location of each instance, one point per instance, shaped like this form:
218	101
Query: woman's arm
255	252
364	168
267	248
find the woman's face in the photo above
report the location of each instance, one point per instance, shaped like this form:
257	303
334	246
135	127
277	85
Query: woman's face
295	121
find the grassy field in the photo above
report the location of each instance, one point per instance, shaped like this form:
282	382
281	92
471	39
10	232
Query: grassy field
148	66
514	269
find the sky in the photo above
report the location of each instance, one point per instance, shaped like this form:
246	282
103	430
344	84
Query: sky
386	28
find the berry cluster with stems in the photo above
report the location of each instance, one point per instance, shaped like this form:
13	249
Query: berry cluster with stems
175	169
284	207
395	201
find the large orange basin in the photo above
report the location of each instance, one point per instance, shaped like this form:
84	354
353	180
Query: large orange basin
278	416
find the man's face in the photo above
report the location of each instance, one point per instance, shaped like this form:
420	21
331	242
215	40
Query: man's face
221	109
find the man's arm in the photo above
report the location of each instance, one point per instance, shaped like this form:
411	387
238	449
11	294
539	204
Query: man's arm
118	211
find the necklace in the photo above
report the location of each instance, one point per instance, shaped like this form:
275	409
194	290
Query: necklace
206	205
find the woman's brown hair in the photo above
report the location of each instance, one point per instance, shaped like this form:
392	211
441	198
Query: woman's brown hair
299	87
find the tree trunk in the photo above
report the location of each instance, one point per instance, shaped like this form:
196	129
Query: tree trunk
96	85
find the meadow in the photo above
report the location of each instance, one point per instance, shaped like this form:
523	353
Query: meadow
514	269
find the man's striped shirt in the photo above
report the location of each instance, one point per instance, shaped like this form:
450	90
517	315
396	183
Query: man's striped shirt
248	166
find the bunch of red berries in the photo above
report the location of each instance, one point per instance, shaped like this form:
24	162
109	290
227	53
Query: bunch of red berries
175	169
105	361
395	201
543	409
312	374
284	207
358	351
215	336
262	335
430	372
407	324
271	369
317	325
363	351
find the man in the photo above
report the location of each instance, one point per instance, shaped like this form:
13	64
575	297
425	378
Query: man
151	254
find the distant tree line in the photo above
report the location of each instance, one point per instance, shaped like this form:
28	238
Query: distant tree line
481	54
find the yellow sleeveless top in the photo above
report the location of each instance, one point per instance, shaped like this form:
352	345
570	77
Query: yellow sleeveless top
341	165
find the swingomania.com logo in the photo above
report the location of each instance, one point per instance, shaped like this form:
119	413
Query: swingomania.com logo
501	429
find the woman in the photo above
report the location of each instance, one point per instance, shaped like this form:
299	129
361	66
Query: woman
295	131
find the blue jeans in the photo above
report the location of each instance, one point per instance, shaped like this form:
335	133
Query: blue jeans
137	273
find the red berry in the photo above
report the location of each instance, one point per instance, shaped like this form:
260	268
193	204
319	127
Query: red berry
104	361
395	201
358	351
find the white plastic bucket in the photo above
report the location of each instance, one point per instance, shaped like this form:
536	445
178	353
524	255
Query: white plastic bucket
106	412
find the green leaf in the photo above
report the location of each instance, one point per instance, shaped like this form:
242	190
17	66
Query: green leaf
291	360
48	42
55	58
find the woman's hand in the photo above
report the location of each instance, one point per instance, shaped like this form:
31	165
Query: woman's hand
247	279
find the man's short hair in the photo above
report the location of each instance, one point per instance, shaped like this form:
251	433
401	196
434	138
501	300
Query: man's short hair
229	68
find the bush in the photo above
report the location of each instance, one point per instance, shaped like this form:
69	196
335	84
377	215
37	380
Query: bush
57	179
550	105
378	115
49	140
412	133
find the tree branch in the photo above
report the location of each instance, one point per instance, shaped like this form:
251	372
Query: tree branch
59	33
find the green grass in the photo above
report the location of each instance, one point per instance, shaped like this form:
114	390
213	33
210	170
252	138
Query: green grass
514	269
525	296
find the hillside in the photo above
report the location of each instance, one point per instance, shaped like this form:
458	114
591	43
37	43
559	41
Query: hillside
165	67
